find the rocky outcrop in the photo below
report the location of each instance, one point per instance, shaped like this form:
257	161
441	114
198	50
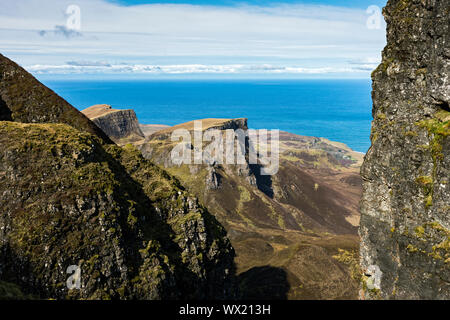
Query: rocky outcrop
207	124
405	209
121	126
212	179
73	200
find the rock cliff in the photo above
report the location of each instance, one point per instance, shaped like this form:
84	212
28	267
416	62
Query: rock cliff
405	209
121	126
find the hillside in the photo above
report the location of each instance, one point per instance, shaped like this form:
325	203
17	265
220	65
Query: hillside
149	129
70	197
286	229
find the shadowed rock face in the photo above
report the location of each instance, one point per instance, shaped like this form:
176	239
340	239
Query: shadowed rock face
405	209
5	113
121	126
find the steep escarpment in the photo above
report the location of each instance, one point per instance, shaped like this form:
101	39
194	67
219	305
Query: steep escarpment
24	99
121	126
405	209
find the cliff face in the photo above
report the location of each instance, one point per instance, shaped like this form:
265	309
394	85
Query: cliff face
121	126
405	209
70	199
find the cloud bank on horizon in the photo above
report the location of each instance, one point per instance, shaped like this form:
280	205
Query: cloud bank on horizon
215	38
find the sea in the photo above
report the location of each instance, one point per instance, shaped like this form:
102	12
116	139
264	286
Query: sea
339	110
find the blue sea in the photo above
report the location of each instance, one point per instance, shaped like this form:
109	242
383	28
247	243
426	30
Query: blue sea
339	110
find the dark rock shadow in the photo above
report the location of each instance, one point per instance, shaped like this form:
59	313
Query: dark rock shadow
444	106
264	283
264	183
5	113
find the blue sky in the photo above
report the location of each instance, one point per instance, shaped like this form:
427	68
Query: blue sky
142	38
340	3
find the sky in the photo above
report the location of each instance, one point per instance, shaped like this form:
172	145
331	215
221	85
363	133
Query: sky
344	3
182	38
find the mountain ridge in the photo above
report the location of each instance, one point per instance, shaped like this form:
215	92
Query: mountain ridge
73	198
40	104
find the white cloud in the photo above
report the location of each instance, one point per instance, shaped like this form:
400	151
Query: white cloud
60	31
329	38
74	67
89	63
